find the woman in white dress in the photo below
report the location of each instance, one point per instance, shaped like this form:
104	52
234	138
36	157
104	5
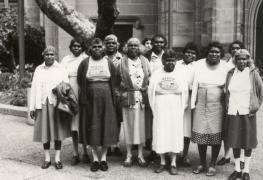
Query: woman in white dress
168	92
71	63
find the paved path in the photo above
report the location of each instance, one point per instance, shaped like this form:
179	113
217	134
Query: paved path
20	158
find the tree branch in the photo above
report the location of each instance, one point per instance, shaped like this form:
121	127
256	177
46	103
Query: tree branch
68	19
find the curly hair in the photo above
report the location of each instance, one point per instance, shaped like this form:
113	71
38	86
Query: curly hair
75	40
217	45
160	36
241	45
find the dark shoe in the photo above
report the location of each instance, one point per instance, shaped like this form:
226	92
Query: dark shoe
211	171
109	152
104	166
95	165
223	161
142	162
245	176
160	169
117	152
242	164
58	165
45	164
186	162
74	160
199	169
235	175
173	170
85	158
152	157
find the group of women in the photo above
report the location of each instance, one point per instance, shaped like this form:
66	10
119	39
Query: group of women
206	100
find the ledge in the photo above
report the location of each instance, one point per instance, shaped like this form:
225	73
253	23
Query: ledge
13	110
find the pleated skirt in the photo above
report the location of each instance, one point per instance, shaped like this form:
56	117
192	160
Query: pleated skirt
134	125
49	126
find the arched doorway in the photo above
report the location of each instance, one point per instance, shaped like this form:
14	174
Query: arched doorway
259	37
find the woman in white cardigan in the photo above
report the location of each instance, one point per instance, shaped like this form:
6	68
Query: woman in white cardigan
48	127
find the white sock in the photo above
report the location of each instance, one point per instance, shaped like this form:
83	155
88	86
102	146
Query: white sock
173	162
47	155
95	154
104	153
237	165
242	155
247	164
57	155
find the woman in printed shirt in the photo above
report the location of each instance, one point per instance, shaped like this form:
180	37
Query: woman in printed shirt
48	126
133	76
71	63
98	124
206	100
244	95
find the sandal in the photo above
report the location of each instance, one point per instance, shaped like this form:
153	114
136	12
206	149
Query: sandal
211	171
128	161
142	162
199	169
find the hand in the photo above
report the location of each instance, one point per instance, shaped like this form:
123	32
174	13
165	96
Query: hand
33	114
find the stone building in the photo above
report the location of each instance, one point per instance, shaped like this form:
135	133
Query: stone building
200	21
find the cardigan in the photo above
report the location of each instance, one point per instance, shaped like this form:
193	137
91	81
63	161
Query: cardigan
256	92
124	89
83	83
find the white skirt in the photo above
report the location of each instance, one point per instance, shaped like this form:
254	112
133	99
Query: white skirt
168	133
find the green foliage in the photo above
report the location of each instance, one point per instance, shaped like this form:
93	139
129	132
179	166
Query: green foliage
14	91
34	40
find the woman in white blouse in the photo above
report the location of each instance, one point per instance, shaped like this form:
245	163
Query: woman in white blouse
207	94
71	63
48	126
244	95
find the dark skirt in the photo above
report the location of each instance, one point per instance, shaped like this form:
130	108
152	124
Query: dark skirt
241	132
98	122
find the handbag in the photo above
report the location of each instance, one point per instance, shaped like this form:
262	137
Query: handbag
64	107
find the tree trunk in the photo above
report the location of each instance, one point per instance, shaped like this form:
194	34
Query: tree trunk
76	24
107	14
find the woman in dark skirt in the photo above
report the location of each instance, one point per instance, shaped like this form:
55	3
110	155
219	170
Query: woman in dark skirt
98	123
244	95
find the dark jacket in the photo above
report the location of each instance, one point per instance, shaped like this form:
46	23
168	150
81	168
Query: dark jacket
65	96
124	88
83	83
256	93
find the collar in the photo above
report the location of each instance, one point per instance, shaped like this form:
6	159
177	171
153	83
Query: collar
55	64
246	70
155	56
